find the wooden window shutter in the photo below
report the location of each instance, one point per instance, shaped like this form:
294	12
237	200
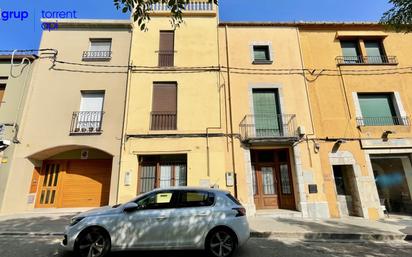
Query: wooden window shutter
2	90
164	106
166	48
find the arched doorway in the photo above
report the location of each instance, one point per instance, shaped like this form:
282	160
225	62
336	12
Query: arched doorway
71	177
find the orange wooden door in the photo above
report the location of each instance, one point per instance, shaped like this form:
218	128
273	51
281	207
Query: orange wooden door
47	196
266	190
86	183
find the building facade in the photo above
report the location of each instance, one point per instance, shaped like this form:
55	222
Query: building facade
70	135
15	75
175	131
361	106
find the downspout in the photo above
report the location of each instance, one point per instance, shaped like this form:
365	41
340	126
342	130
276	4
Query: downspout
125	114
220	105
230	111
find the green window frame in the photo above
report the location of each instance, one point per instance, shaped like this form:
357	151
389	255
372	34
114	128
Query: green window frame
378	109
261	54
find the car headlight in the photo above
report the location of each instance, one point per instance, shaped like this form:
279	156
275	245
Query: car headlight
75	220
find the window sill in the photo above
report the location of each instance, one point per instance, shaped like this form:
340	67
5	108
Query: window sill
367	64
262	62
105	59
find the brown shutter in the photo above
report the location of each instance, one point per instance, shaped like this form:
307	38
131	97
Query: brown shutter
164	106
166	48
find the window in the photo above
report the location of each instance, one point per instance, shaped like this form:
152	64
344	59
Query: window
99	49
158	200
162	171
374	51
166	48
2	90
261	54
164	106
350	51
89	118
196	199
378	110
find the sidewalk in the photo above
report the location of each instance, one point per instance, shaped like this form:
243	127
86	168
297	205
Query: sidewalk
393	228
353	228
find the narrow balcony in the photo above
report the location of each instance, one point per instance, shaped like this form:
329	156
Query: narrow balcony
190	7
163	121
86	123
166	58
268	127
97	55
367	60
382	121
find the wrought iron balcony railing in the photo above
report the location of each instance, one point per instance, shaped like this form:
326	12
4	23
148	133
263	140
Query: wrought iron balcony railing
163	121
166	58
86	123
268	126
193	6
383	121
97	55
367	60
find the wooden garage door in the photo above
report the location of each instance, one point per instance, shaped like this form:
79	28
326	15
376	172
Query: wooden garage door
86	183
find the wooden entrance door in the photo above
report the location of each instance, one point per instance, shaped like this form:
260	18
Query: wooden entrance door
49	184
265	184
272	179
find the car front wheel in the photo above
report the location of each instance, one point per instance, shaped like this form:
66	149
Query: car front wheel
221	243
93	242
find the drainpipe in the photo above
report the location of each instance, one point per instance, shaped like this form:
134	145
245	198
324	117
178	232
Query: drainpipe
230	111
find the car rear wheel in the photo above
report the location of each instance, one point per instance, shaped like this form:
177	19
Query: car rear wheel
221	243
93	242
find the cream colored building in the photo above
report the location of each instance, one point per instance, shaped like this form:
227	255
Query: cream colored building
14	81
71	129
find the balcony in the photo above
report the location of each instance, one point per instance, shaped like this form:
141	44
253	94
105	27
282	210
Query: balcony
163	121
166	58
191	7
382	121
86	123
97	55
367	60
268	127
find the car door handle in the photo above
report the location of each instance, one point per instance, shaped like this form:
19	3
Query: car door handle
203	214
161	218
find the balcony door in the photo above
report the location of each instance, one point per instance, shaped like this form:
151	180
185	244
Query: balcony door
91	109
374	51
267	113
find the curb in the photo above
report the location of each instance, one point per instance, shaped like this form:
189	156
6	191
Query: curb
12	233
332	236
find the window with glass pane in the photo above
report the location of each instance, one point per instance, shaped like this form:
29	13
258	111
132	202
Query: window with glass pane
261	53
377	109
254	180
374	51
350	51
268	181
162	171
285	179
196	199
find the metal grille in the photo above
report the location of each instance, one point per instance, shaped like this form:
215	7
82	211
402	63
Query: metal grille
355	60
383	121
163	121
97	55
86	122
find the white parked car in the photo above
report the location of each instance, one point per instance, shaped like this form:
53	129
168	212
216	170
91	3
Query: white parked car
163	219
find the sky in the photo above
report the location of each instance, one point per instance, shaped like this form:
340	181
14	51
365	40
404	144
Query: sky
24	33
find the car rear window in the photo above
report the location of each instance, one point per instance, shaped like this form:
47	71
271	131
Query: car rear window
233	199
196	199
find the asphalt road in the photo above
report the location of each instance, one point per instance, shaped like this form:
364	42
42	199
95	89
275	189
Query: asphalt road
24	246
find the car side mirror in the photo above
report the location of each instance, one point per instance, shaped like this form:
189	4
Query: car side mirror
130	207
